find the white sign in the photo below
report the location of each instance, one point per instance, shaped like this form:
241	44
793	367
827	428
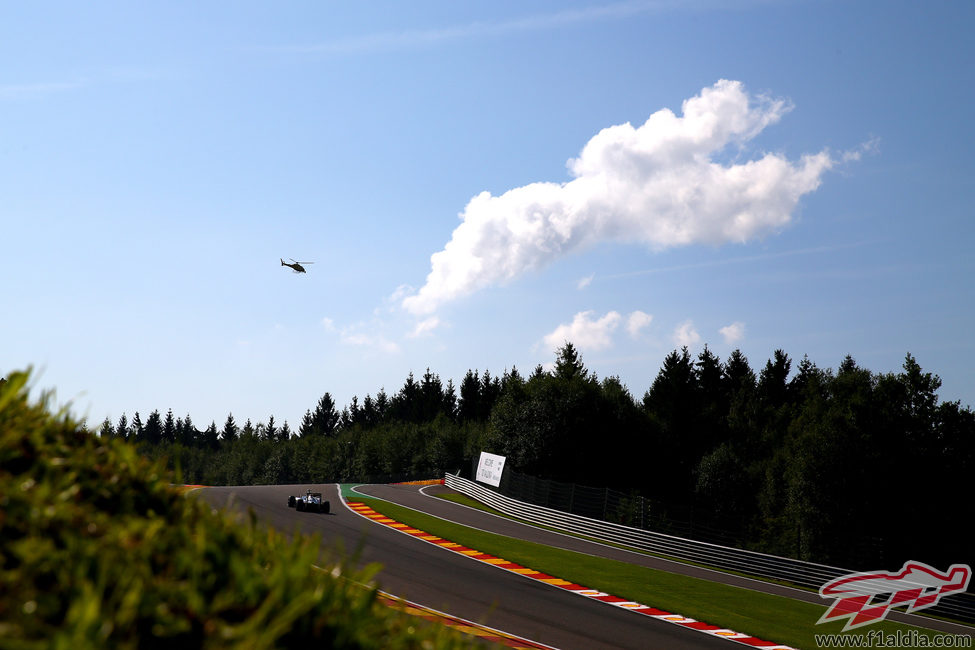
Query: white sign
489	469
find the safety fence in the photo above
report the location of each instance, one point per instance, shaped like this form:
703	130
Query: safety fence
805	574
608	504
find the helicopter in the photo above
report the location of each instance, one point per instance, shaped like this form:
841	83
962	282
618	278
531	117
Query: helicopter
295	266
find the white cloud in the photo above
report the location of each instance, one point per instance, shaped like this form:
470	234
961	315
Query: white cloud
365	335
585	282
425	326
375	342
328	324
584	332
685	334
733	333
636	321
657	184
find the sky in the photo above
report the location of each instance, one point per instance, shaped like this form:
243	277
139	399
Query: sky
476	183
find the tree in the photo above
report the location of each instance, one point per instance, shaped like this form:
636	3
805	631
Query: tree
548	428
921	389
368	416
138	430
325	419
470	397
122	429
807	377
406	404
230	431
537	373
431	396
772	384
448	405
490	390
712	400
154	431
107	431
186	433
672	401
169	427
739	386
306	428
382	405
512	380
568	363
738	375
211	437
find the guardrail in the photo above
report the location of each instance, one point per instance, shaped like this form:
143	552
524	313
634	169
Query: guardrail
752	563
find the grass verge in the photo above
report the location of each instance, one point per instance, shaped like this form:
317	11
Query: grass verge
766	616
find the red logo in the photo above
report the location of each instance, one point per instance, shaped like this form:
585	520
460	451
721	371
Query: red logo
866	598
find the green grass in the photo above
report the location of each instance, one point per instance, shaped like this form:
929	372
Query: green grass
98	551
464	500
766	616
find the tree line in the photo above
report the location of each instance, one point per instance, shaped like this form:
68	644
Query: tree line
845	467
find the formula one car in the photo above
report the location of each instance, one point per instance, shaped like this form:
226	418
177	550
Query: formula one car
309	502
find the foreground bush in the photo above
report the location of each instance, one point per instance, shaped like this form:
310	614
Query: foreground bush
97	550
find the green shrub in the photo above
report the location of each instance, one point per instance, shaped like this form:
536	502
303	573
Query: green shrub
97	550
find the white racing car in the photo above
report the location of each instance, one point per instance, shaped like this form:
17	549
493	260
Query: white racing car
309	502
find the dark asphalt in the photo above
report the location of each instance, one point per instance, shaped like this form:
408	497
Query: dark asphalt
432	576
423	499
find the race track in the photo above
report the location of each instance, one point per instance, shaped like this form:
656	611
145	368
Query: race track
429	575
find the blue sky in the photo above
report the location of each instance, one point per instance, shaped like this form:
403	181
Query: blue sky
476	182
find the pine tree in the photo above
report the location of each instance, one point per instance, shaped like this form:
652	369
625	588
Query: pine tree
107	431
230	430
188	435
307	427
210	436
354	412
470	397
382	405
369	416
738	375
122	429
138	431
568	363
430	398
325	419
169	428
490	390
672	402
449	404
406	403
154	430
772	383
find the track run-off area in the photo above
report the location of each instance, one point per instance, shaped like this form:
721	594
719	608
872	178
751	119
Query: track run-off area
491	597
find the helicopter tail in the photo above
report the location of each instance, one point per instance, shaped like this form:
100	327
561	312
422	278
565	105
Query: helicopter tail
282	262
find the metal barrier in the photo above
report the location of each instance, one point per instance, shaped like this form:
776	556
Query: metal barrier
805	574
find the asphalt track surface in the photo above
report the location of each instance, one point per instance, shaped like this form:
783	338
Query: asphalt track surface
422	499
429	575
